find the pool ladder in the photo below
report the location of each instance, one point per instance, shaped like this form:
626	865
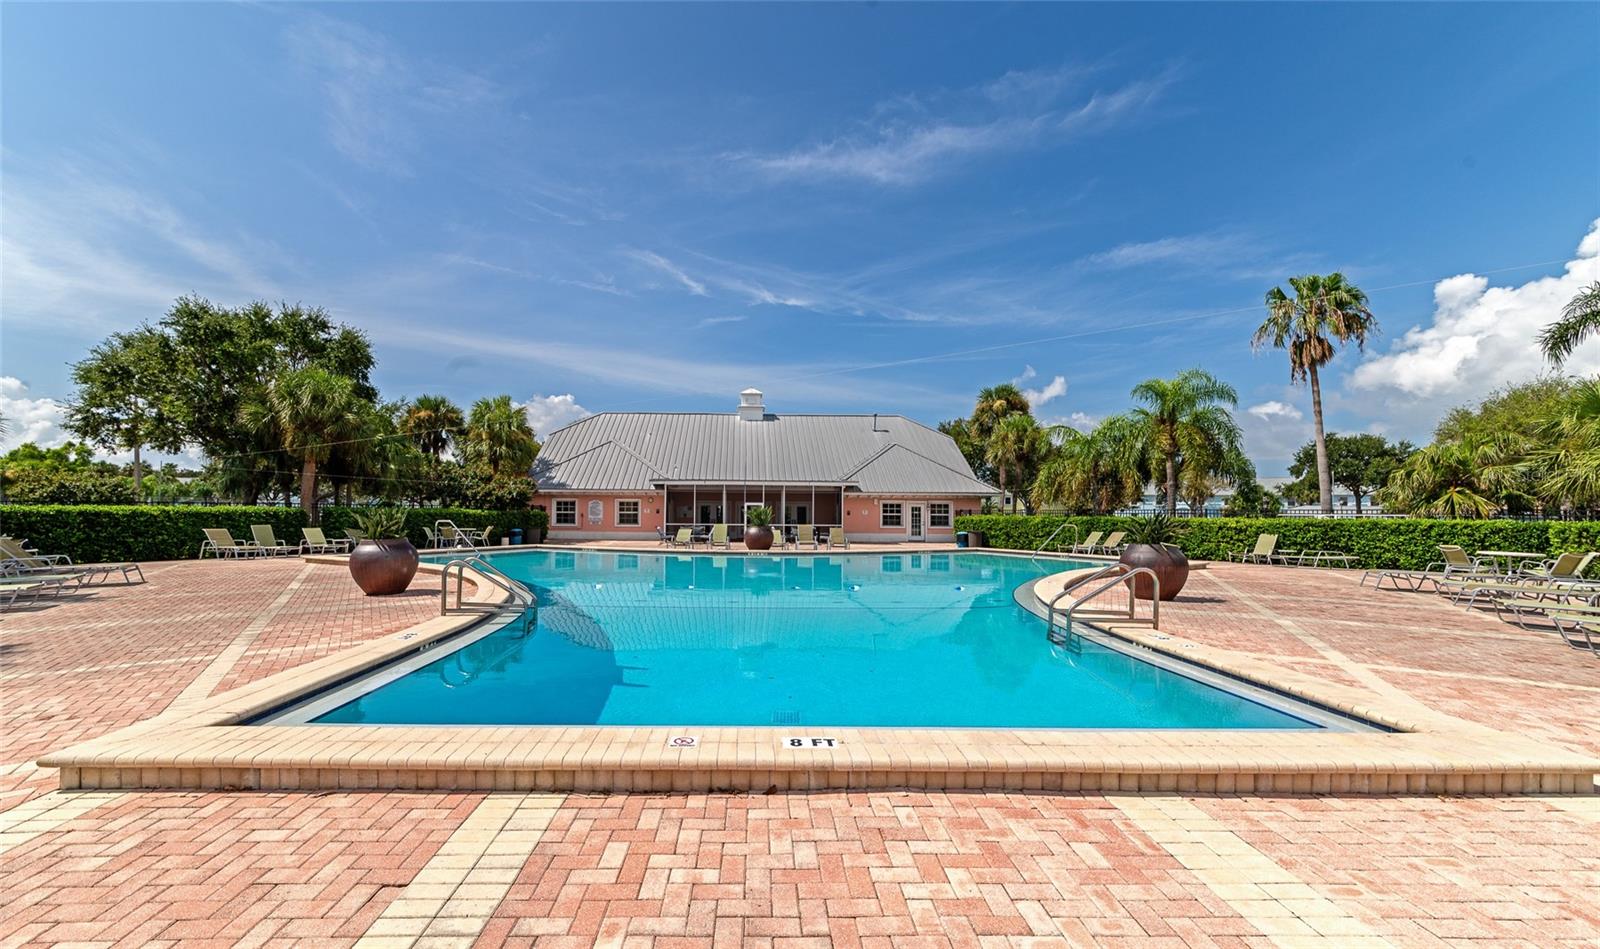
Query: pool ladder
522	598
1113	575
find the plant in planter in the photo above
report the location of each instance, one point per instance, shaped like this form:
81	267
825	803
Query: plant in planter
1152	542
758	528
385	561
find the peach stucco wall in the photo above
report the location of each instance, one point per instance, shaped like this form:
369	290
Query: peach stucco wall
650	516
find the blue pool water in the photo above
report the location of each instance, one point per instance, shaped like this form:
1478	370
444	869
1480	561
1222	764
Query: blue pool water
900	640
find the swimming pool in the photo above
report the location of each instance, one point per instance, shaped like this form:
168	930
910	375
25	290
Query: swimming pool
907	640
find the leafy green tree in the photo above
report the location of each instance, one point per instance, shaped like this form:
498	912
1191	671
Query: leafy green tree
1014	446
222	361
972	448
1359	463
124	400
1251	499
433	422
1324	311
1579	320
1185	417
308	411
499	436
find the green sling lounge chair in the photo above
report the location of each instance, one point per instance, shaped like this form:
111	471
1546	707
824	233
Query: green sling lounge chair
1089	543
316	542
268	543
719	536
17	559
1265	550
1113	542
220	543
684	537
836	538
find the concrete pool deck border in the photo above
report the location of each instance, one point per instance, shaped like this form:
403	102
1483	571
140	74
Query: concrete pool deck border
201	745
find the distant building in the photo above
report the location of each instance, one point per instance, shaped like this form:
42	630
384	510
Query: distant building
880	477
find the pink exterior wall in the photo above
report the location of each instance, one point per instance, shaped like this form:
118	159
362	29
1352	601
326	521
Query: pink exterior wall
650	513
863	516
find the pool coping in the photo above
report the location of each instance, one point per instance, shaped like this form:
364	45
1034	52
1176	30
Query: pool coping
204	745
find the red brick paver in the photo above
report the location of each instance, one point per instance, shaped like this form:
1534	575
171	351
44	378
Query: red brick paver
881	869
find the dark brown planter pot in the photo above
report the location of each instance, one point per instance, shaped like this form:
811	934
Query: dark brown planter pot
758	538
1170	565
383	567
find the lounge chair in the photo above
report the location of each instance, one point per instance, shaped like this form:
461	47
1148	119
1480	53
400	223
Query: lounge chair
1568	618
433	539
268	543
20	560
1113	542
719	536
1456	565
316	542
33	587
805	534
1089	543
783	538
684	537
1569	566
221	544
1474	590
663	538
836	538
1265	551
355	536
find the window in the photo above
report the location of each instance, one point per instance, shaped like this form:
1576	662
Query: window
939	514
566	513
891	514
627	513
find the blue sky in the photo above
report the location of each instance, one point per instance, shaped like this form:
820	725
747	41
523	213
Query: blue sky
858	208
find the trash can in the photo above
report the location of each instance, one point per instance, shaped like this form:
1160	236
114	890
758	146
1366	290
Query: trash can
516	536
975	539
961	538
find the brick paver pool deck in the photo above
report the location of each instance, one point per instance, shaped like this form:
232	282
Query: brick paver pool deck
891	868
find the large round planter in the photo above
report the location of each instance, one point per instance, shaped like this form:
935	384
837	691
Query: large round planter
383	567
1170	565
758	538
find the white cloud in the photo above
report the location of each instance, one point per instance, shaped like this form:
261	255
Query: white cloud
1082	421
899	151
546	413
1481	336
718	321
1054	389
658	262
1183	249
1267	411
29	419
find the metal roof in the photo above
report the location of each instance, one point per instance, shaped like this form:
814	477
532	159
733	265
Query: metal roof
630	451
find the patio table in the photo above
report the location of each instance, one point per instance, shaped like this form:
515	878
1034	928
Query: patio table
1509	556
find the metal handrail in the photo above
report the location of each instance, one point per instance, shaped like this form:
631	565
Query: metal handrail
520	595
1063	526
1123	575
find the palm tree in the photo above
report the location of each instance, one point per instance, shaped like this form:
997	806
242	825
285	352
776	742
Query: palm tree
1565	459
499	436
1089	470
1451	479
1184	418
309	410
1325	310
994	404
432	423
1578	322
1016	443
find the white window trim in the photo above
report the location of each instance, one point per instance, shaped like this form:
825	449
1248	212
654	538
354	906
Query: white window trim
949	514
616	512
902	515
555	512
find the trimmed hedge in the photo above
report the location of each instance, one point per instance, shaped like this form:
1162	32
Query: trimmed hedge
1409	543
91	533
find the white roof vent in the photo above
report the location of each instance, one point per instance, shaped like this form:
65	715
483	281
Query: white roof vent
751	406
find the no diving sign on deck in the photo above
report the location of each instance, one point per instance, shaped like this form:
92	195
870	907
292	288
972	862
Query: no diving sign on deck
683	741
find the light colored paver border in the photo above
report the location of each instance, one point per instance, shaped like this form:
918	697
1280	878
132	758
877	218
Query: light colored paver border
203	745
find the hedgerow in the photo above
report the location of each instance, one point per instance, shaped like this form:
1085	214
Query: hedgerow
1409	543
100	532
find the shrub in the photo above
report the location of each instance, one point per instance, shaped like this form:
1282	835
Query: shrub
90	533
1409	543
57	486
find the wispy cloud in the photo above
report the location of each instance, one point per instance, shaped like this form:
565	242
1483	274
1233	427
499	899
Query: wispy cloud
662	264
718	321
374	96
1014	111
